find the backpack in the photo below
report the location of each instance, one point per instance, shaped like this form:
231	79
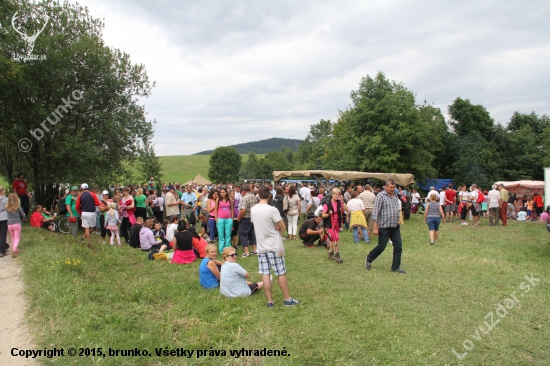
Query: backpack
480	197
61	206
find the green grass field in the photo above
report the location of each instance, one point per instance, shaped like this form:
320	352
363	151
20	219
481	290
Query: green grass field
183	168
113	297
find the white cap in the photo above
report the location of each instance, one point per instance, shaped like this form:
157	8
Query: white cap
84	186
105	192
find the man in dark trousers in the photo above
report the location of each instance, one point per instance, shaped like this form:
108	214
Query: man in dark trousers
20	187
385	215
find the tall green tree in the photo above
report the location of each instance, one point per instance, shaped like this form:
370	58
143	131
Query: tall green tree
467	118
313	152
272	161
225	164
382	131
77	108
251	167
149	164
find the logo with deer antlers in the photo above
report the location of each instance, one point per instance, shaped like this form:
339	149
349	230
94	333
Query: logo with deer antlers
29	40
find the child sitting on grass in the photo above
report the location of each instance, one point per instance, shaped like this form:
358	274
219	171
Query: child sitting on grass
158	233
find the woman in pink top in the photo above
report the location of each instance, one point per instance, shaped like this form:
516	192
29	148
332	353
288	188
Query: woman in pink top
224	219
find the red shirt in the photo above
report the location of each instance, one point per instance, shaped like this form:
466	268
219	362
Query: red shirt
538	201
20	187
450	195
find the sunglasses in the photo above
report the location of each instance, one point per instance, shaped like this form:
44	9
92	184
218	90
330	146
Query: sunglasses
232	255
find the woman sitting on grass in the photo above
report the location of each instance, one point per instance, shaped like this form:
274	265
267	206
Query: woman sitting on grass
209	269
199	243
233	281
15	215
38	219
183	245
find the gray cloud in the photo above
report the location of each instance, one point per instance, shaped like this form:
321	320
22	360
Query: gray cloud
236	71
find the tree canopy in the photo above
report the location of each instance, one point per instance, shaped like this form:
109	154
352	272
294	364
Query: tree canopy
225	163
76	108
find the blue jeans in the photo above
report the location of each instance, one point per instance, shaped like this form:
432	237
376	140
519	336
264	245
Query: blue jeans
224	233
356	235
393	233
212	228
433	223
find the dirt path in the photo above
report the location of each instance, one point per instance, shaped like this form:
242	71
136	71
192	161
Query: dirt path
13	330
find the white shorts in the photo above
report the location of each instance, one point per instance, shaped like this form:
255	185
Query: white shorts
88	219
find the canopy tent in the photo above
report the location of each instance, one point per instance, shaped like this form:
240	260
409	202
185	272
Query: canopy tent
199	179
434	182
524	187
401	179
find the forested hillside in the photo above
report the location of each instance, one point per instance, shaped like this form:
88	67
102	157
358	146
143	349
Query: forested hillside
262	146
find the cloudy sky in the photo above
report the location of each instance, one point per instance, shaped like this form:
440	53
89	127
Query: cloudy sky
228	72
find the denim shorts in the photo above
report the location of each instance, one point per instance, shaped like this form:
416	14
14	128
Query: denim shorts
433	223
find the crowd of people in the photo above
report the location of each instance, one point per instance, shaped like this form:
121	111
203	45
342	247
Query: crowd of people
182	223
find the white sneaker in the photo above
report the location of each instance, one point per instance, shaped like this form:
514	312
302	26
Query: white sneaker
464	223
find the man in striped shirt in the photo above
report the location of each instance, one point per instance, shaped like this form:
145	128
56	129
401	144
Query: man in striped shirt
386	213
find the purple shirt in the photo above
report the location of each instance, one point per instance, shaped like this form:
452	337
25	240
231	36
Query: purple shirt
147	239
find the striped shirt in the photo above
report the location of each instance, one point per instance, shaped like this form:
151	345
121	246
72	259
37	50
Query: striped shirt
387	210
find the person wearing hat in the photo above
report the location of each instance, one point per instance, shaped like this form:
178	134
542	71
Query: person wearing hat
171	201
72	213
86	204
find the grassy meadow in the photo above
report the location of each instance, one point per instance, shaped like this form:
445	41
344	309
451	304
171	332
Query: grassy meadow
113	297
183	168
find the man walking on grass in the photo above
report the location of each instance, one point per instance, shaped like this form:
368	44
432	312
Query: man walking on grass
86	204
387	211
268	226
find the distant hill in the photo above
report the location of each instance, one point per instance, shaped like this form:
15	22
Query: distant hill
262	146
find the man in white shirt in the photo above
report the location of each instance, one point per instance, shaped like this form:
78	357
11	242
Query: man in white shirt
442	197
268	226
494	205
305	194
238	195
432	190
